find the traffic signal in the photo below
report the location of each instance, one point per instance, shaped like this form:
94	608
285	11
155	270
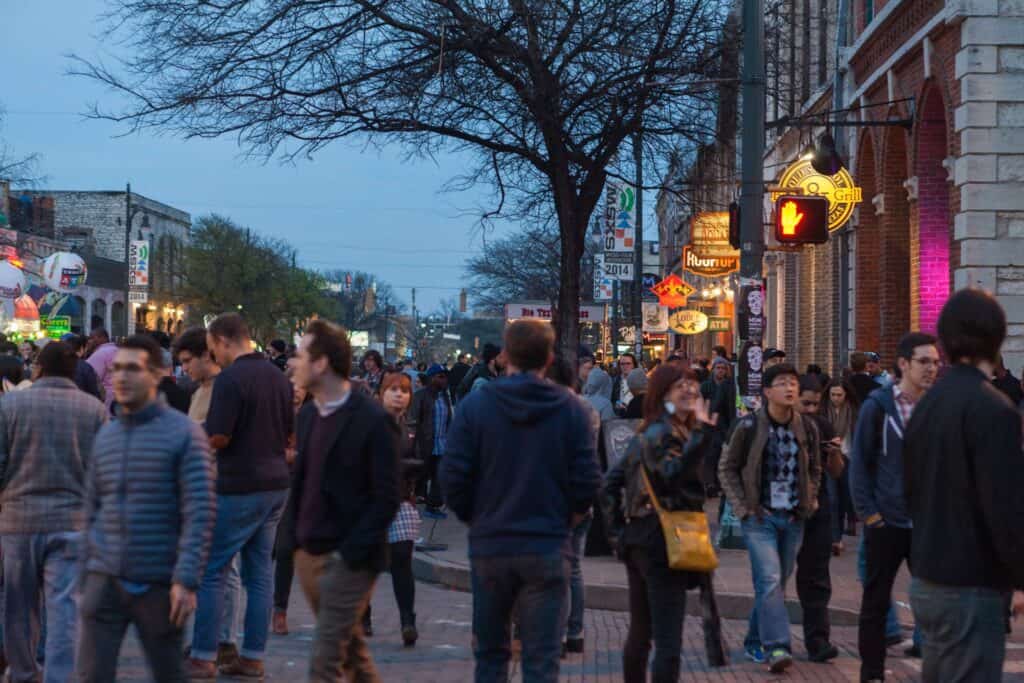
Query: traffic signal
801	219
734	225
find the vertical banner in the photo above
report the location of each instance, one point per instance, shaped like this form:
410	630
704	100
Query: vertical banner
620	218
138	263
750	323
604	287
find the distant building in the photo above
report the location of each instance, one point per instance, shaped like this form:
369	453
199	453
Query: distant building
94	223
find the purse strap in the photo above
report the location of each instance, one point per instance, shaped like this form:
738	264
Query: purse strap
650	489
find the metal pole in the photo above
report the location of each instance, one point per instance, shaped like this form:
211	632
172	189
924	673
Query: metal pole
638	273
387	319
752	149
615	318
128	327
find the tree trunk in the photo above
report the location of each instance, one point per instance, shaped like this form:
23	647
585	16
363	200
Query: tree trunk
572	225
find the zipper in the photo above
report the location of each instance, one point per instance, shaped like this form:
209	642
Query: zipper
124	495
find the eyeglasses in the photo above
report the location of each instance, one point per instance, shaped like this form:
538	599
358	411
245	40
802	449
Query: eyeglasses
784	384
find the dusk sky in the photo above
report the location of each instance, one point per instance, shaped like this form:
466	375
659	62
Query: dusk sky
347	208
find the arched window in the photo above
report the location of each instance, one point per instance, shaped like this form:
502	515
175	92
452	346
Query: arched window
99	315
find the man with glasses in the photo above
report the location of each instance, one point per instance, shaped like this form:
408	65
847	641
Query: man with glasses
770	472
876	482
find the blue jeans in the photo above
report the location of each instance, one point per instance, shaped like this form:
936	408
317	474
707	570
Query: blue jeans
535	585
38	565
232	601
574	624
773	544
246	525
964	632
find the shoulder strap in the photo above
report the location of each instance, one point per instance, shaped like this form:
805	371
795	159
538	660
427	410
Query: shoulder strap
650	490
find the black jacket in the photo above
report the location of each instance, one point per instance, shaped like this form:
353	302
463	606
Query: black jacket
1010	385
463	388
360	480
421	420
863	384
964	474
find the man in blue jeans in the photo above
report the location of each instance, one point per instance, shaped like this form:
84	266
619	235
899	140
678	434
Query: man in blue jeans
770	471
520	469
46	439
250	421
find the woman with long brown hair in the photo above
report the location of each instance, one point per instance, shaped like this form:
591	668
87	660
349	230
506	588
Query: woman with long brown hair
670	446
840	408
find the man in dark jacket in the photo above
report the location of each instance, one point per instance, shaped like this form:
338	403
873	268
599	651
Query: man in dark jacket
458	373
430	417
876	481
964	478
250	421
85	377
344	496
719	391
521	470
485	368
1007	383
861	381
149	521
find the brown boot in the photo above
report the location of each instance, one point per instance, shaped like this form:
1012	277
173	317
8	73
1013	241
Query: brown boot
200	670
243	668
227	653
280	623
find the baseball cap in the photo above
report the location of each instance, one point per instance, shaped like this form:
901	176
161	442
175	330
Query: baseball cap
436	369
772	352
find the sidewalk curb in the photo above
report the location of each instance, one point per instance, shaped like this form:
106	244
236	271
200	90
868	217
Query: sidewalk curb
430	569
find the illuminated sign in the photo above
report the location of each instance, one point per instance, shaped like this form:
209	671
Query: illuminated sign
688	321
672	291
801	219
839	189
719	323
709	265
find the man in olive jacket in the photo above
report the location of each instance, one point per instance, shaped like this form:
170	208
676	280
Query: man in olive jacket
770	472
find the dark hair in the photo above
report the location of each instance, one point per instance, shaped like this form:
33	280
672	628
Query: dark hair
11	369
100	333
658	384
529	344
77	342
144	342
776	371
720	351
814	369
230	326
810	383
162	338
972	325
562	372
909	342
375	357
279	345
631	357
491	351
858	361
330	340
9	348
57	359
192	340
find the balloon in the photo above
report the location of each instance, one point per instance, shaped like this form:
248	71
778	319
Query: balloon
25	308
64	271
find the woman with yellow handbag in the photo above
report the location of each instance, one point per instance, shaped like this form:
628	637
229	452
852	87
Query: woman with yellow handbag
654	503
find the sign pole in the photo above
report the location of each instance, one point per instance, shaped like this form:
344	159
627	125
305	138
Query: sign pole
638	276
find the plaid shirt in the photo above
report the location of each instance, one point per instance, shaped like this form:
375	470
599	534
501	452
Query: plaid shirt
46	438
441	419
905	404
406	525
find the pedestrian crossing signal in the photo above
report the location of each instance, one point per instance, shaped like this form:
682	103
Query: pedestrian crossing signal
801	219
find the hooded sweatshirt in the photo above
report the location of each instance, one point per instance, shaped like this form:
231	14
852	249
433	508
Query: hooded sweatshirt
520	461
598	393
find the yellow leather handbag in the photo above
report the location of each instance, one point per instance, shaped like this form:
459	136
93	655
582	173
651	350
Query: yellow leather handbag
687	536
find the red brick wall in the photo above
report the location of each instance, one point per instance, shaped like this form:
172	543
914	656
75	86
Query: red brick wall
894	294
868	249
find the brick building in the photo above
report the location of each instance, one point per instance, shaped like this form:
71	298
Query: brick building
942	176
97	221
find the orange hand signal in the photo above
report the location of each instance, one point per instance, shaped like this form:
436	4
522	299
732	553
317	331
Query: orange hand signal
790	218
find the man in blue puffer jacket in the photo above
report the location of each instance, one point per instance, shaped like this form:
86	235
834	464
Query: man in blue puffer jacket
151	509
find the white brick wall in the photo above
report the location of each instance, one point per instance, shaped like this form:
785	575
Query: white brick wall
990	170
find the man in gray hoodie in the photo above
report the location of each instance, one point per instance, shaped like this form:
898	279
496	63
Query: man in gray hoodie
597	391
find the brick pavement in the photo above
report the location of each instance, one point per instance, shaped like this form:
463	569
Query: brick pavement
605	574
443	654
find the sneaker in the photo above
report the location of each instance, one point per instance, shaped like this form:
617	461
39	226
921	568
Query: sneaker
227	653
200	670
754	654
823	654
243	668
280	623
779	660
914	652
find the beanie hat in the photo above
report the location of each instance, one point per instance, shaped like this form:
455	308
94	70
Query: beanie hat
720	361
636	381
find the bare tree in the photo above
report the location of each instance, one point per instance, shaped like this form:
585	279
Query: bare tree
18	169
549	94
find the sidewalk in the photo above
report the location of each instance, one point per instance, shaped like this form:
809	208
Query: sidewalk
605	577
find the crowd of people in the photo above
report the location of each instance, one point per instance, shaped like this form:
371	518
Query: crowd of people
154	482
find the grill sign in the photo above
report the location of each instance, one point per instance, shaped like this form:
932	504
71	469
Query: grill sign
842	195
